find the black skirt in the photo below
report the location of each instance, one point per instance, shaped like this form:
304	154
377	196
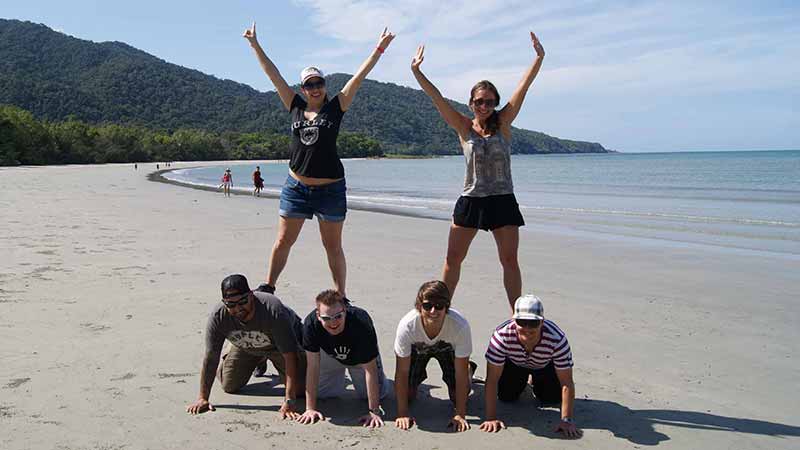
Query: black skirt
487	213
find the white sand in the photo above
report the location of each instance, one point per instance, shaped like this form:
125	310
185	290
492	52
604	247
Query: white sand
106	280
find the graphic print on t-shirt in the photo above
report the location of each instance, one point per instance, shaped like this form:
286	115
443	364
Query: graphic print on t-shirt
309	136
249	339
421	349
341	352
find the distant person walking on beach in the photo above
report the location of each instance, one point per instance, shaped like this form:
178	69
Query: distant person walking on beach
259	328
432	330
339	337
227	182
487	200
316	182
258	182
529	346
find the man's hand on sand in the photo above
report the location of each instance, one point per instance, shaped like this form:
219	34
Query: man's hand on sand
310	416
200	406
569	430
287	412
493	426
371	420
458	423
404	423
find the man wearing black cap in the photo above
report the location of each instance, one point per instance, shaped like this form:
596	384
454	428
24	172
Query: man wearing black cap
260	328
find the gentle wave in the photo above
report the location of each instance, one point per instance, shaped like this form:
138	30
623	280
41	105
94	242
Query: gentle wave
180	175
709	219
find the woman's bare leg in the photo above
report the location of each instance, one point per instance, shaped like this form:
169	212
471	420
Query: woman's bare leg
458	243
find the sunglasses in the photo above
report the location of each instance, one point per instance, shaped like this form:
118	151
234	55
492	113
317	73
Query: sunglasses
241	301
481	102
430	306
314	85
336	316
528	323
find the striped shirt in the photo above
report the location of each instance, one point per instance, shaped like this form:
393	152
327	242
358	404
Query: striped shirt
553	346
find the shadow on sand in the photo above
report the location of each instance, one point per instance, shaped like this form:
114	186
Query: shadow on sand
433	414
634	425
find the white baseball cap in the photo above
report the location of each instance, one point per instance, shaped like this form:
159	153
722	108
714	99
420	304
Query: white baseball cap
528	307
310	72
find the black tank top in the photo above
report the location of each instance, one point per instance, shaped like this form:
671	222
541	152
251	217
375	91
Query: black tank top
313	146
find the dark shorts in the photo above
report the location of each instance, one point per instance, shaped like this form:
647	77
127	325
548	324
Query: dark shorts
441	352
300	201
487	213
544	383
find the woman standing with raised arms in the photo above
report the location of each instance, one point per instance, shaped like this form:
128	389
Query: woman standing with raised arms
487	201
316	183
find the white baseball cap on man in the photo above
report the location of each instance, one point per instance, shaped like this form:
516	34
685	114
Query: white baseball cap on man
528	307
310	72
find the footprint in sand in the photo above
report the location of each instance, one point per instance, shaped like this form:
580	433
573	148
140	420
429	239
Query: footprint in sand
16	382
94	327
127	376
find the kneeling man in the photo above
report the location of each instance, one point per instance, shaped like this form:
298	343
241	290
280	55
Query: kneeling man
432	330
259	328
526	346
337	337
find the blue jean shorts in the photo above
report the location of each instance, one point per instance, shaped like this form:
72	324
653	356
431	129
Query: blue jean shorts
301	201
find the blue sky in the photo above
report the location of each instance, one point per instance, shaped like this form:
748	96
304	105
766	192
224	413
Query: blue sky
632	75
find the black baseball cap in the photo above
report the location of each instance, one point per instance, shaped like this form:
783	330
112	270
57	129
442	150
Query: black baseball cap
234	285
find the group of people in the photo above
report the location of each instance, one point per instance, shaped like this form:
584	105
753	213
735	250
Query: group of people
226	182
313	354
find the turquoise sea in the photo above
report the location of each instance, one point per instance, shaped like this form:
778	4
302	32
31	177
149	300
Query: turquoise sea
739	200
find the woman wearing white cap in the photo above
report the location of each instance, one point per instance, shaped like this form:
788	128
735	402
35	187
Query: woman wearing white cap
529	346
316	184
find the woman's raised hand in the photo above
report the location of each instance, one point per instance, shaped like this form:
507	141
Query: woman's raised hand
418	58
250	34
536	45
385	39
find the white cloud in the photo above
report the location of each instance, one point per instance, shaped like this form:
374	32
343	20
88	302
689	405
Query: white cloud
610	54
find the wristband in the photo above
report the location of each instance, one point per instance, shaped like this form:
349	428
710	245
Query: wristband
290	402
568	420
377	411
380	50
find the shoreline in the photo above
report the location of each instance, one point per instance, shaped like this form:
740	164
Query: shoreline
158	177
530	227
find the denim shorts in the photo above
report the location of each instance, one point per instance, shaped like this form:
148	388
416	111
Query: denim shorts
301	201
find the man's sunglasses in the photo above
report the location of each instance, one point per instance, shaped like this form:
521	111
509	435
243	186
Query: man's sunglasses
336	316
528	323
241	301
488	102
430	306
314	85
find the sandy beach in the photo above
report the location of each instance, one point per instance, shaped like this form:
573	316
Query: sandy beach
107	278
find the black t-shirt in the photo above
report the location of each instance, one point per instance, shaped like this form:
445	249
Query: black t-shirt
313	146
356	344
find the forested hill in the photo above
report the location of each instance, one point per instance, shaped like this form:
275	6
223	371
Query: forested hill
56	77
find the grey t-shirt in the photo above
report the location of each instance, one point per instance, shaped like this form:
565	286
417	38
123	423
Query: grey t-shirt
273	326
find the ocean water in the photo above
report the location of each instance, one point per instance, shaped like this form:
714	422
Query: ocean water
739	200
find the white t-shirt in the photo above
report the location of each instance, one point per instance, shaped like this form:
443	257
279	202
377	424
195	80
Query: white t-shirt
455	331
